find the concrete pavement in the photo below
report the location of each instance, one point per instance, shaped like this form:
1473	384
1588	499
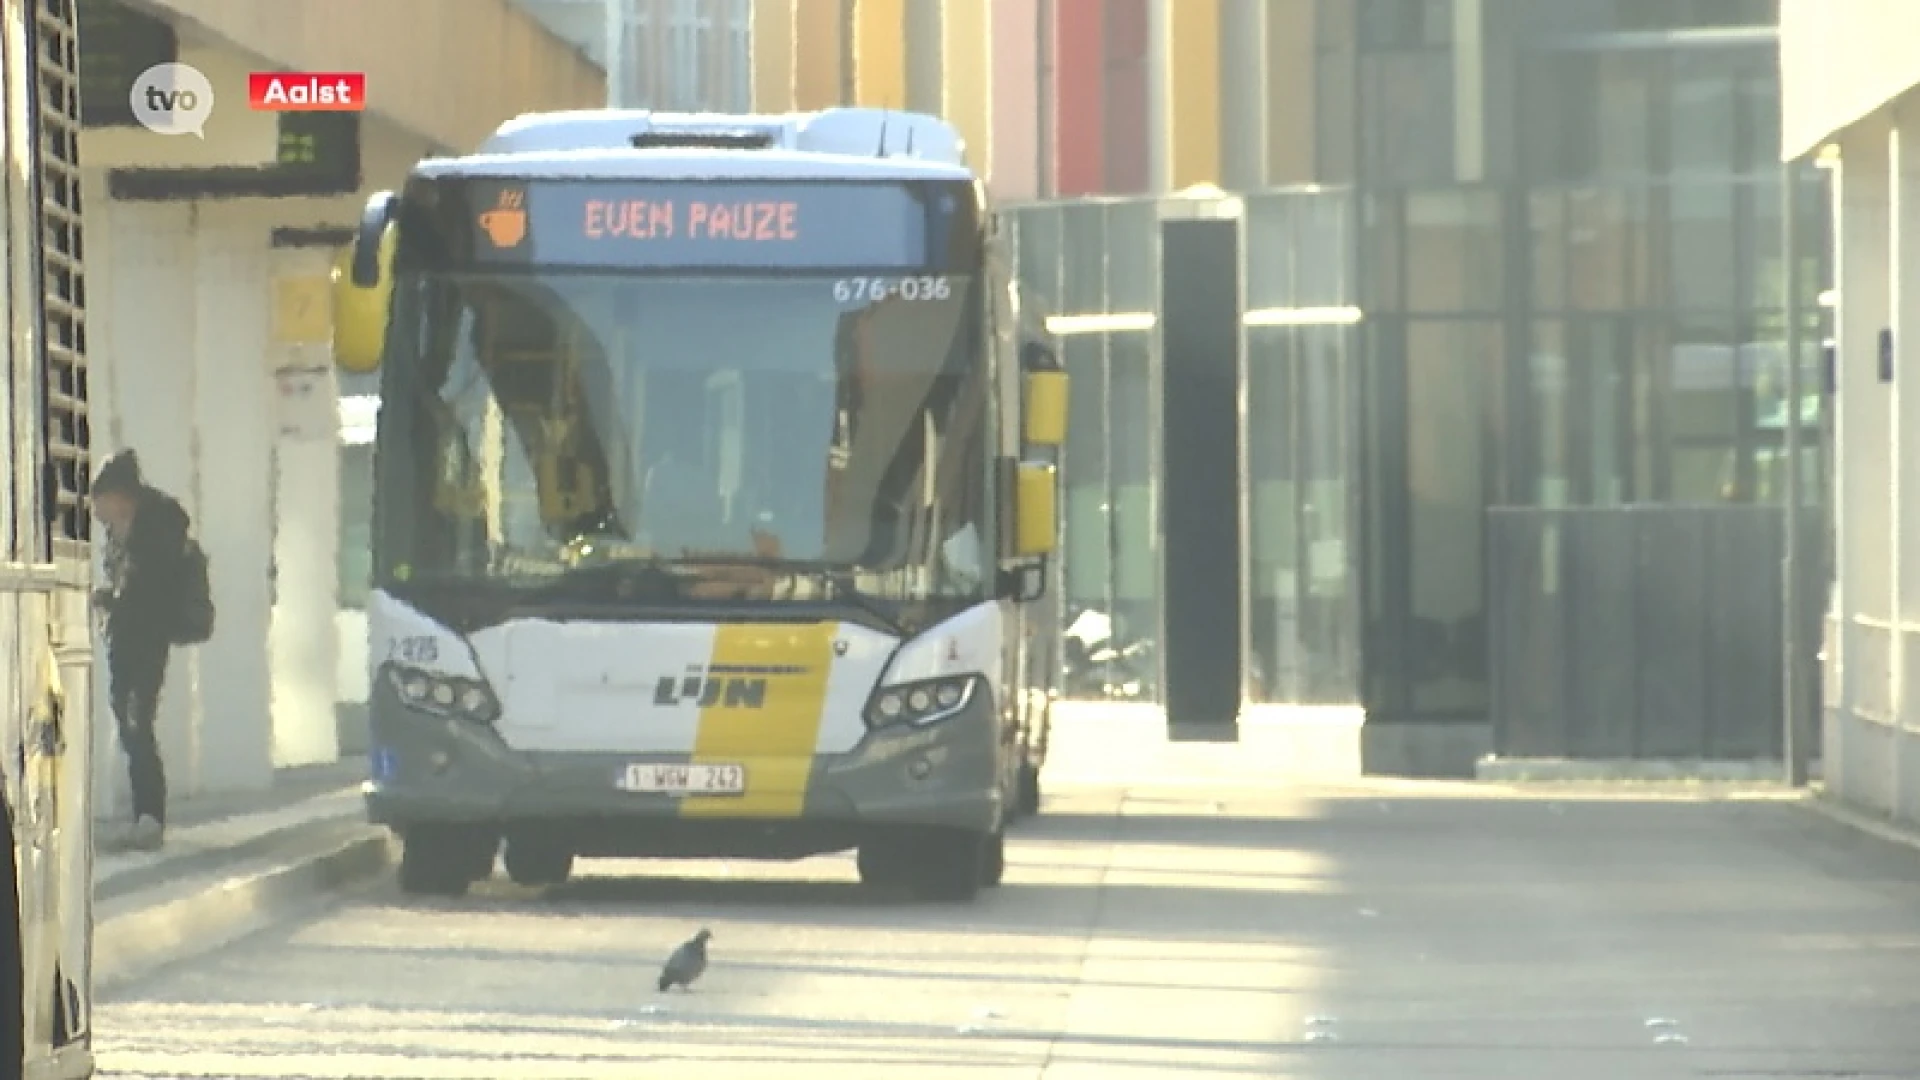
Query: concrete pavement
1225	922
231	866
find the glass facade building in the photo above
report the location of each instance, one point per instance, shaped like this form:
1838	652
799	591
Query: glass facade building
1587	309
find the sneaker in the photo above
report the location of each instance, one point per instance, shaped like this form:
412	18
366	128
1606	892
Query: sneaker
114	839
147	835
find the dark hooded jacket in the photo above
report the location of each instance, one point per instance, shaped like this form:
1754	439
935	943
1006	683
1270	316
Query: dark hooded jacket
147	595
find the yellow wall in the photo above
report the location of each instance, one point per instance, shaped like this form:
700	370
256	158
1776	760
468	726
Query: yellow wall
450	70
1193	92
966	59
798	61
817	55
772	56
1292	93
880	53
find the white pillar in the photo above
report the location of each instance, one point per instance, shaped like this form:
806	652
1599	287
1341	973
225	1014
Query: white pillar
1160	15
141	329
615	32
304	639
1862	469
1904	523
233	419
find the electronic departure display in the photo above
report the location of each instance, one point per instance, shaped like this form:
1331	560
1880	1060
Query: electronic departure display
648	225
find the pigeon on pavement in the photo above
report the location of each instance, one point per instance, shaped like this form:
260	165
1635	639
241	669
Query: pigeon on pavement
686	964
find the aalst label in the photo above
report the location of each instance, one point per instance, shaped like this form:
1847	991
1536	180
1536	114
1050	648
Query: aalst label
302	91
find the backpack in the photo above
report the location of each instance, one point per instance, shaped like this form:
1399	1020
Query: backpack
193	607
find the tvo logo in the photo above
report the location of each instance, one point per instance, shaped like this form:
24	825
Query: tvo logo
172	99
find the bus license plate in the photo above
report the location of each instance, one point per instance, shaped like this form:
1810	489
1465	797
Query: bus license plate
684	779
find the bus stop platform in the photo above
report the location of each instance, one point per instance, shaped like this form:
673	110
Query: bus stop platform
232	865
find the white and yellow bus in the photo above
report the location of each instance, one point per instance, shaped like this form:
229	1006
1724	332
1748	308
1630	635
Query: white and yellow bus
714	499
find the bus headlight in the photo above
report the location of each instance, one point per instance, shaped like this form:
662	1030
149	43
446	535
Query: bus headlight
928	701
444	695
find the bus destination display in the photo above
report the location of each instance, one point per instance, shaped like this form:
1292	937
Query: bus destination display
622	225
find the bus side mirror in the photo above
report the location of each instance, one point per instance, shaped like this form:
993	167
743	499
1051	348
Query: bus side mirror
1024	584
363	289
1035	510
1046	408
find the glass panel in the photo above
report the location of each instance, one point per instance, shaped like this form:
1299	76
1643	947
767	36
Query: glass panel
1327	638
1547	219
1446	502
1624	106
1336	117
1759	94
1408	122
1132	233
1436	251
1648	364
1382	242
1700	245
1762	281
1136	536
1274	561
1404	24
1547	409
1763	368
1483	247
1702	116
1037	250
1084	259
1703	411
1269	251
1556	115
1334	24
1696	14
1598	245
1322	250
1603	388
1387	543
1084	475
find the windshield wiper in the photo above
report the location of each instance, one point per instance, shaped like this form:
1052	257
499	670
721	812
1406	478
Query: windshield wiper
838	576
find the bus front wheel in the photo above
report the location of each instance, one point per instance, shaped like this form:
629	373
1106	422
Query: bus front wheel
533	863
944	865
1026	793
438	860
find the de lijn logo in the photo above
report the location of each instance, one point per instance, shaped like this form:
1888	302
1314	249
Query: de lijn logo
172	99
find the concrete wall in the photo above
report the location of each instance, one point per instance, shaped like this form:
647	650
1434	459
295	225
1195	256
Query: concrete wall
1872	712
1841	60
240	425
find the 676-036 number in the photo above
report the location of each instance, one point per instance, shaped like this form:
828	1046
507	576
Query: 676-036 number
873	289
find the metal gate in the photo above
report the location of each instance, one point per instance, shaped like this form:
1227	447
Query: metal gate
1639	632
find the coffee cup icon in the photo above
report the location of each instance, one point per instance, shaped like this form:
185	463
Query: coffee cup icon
506	224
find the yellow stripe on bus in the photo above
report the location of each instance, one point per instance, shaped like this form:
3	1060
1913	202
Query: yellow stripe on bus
765	716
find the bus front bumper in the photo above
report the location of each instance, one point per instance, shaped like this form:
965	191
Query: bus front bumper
429	770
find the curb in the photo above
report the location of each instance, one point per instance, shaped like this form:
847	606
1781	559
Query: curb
132	880
1878	828
138	942
1624	771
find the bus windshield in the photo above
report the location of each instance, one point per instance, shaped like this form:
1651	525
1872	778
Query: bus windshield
810	419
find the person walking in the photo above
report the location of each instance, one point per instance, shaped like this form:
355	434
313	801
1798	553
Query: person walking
157	597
